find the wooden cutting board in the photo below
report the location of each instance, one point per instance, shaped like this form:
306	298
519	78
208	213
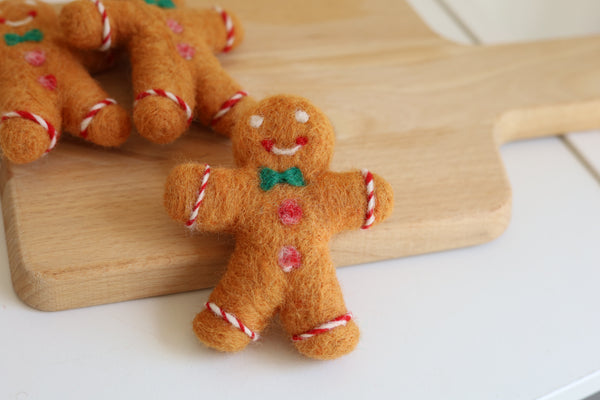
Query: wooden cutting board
86	226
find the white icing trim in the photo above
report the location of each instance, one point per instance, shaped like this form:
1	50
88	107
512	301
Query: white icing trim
22	22
286	152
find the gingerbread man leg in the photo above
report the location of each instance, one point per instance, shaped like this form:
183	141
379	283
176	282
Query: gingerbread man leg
89	112
164	92
222	101
28	124
241	304
314	313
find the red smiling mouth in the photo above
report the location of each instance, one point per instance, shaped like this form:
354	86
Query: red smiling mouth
30	16
269	146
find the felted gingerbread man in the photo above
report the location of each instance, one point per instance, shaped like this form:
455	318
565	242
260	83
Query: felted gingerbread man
176	76
283	205
44	87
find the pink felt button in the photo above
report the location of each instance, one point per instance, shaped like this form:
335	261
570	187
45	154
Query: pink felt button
289	258
174	26
290	212
48	81
186	51
35	58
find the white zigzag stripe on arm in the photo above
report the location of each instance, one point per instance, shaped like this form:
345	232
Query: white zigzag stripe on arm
201	192
106	32
370	188
229	28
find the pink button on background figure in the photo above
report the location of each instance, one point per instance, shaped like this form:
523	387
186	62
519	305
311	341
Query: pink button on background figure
289	258
186	51
35	57
290	212
48	81
174	26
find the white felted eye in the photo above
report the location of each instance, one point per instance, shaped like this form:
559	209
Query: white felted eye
30	2
256	121
301	116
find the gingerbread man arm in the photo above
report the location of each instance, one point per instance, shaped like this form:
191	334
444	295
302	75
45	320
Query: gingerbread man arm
358	199
98	25
222	30
205	198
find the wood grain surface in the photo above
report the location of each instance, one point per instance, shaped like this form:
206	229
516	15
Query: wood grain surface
86	226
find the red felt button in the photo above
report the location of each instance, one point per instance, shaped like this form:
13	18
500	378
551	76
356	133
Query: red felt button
290	212
174	26
289	258
48	81
186	51
35	57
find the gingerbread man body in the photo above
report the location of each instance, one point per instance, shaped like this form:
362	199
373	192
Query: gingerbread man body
175	75
283	205
44	87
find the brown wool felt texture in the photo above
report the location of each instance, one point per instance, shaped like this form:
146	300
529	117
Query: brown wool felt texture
65	105
156	63
254	287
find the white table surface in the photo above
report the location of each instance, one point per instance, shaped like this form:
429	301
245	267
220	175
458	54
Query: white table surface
517	318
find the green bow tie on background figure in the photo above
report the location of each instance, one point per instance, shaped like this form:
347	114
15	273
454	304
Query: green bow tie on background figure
34	35
270	178
161	3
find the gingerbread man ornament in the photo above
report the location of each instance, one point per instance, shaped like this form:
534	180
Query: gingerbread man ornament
283	205
44	87
176	76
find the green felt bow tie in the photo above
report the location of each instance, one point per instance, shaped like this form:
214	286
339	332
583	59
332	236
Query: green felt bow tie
270	178
161	3
34	35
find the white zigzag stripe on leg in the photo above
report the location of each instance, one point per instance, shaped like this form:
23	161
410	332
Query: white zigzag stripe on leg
168	95
52	133
85	123
232	320
342	320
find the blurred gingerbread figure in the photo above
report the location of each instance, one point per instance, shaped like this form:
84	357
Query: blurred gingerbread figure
283	205
176	76
45	88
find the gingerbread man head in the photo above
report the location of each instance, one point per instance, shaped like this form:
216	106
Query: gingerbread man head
30	14
284	132
44	86
283	205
